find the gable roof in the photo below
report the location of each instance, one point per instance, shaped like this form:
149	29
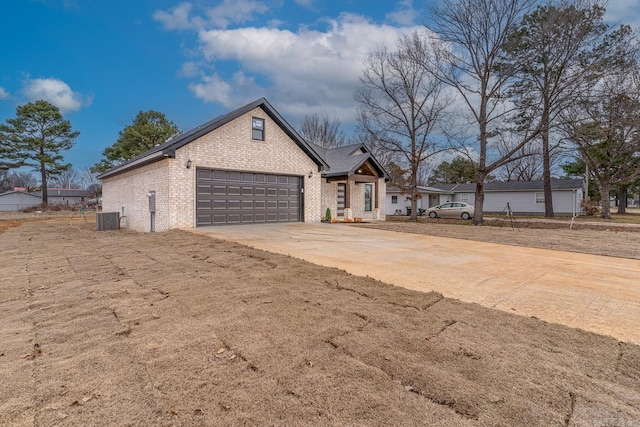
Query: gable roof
168	148
7	193
347	159
556	184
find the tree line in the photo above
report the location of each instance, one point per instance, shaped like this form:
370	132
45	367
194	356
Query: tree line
504	82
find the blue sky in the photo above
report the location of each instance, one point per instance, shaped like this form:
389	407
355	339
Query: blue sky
102	61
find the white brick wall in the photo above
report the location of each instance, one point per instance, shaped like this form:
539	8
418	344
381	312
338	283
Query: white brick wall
228	147
330	199
129	190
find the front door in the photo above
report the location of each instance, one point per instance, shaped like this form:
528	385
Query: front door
433	200
342	190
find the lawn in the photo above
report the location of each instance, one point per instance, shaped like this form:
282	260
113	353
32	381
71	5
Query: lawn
123	328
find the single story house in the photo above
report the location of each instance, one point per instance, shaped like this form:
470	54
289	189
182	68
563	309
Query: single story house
399	200
18	200
66	197
246	167
524	197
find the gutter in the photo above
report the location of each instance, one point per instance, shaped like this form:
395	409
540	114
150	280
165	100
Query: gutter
142	161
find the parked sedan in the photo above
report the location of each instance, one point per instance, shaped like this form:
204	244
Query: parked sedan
451	210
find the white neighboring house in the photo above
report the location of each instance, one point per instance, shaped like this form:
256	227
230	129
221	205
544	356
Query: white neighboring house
18	200
399	202
523	197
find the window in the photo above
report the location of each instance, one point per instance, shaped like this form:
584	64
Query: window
368	190
257	129
539	197
464	197
394	200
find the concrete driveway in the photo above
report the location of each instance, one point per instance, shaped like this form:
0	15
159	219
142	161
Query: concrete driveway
595	293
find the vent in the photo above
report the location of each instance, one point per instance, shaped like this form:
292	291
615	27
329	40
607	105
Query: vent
108	221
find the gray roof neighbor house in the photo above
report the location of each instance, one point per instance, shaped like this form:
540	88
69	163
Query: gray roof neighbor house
523	197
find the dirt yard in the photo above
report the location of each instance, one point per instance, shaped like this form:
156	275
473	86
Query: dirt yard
120	328
608	239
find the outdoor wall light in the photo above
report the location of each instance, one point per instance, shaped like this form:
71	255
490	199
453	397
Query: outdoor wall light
188	164
310	174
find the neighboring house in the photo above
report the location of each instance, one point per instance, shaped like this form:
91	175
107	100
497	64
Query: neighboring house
524	197
18	200
66	197
399	201
248	166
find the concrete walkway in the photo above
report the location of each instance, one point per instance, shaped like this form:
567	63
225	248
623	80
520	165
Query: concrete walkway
596	293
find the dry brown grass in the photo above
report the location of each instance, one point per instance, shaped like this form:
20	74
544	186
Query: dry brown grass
121	328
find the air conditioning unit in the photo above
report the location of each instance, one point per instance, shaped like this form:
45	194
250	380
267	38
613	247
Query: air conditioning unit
108	221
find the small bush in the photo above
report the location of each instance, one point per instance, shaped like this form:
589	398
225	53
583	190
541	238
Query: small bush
590	207
348	220
357	219
327	214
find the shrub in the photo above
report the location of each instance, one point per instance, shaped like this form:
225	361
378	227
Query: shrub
357	219
590	207
327	214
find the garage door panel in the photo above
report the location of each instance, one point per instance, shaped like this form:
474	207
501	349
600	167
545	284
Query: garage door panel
219	190
232	197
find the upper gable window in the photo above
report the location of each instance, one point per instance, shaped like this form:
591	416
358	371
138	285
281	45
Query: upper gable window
257	129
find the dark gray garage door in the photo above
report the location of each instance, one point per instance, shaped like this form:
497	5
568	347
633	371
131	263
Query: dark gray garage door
232	197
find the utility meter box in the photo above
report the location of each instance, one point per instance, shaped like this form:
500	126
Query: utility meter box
152	201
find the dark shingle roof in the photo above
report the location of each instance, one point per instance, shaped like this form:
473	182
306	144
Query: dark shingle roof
169	148
347	159
556	184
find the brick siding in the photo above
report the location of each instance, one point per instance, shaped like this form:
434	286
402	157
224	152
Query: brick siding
228	147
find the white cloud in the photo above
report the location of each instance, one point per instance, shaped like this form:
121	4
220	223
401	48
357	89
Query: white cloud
56	92
235	12
3	94
305	3
304	71
405	14
227	12
212	89
177	19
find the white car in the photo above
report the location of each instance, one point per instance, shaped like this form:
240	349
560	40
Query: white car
451	210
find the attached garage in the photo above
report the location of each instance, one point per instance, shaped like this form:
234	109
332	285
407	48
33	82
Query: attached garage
242	197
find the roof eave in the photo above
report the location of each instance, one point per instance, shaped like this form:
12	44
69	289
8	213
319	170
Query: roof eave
151	158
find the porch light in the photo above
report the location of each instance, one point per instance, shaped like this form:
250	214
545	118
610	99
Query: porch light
310	174
188	164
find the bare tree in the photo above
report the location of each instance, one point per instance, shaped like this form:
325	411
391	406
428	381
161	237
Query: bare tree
470	38
69	178
401	105
89	179
322	131
18	179
559	50
606	130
